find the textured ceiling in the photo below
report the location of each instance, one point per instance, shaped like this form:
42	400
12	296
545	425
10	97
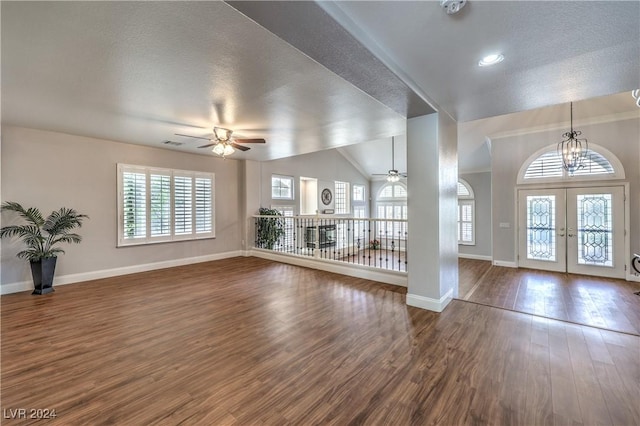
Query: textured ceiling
305	25
139	72
555	51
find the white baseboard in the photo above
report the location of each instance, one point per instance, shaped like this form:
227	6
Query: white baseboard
505	264
634	278
475	256
349	269
436	305
106	273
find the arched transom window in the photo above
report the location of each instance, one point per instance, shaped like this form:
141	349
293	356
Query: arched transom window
546	166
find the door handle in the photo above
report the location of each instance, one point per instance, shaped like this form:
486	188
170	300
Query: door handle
570	235
560	235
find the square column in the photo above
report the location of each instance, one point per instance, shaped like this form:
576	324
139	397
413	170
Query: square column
432	167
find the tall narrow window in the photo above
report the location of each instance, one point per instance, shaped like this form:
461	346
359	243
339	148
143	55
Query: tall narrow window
358	193
466	214
392	204
342	198
134	203
183	205
160	204
204	206
157	205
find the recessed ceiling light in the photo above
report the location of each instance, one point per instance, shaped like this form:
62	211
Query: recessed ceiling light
492	59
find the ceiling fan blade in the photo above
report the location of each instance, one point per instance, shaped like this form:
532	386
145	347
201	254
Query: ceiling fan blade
207	146
240	147
195	137
250	140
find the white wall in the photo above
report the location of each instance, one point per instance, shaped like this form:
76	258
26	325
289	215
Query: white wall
622	138
326	166
49	170
481	185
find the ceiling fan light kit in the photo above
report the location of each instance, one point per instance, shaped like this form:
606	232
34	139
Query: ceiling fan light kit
223	149
222	143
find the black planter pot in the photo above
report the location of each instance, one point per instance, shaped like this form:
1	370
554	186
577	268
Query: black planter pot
42	272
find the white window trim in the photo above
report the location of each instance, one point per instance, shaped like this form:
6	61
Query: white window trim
122	242
468	201
618	169
290	178
364	194
471	195
347	195
381	190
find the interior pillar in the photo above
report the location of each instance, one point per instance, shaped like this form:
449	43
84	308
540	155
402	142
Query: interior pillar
250	177
432	166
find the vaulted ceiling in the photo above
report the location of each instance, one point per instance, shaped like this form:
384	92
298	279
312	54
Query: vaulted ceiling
306	76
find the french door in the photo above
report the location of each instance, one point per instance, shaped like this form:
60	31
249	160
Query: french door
576	230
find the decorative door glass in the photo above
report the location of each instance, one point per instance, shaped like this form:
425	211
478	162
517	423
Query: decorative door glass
595	230
541	228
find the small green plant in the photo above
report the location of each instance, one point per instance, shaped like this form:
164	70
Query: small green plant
42	236
269	230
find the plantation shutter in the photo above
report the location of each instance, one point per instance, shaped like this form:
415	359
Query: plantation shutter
160	205
183	205
134	202
465	222
204	207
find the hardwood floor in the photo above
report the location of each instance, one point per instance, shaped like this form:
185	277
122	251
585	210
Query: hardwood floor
250	341
470	272
598	302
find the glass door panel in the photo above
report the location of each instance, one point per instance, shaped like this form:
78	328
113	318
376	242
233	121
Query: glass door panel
542	229
595	232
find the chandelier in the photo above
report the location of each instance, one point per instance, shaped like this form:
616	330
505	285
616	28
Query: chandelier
572	149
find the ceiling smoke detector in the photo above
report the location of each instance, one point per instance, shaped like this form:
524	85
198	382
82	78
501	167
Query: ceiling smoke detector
452	6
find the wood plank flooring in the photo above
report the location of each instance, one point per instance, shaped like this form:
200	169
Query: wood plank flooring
249	341
598	302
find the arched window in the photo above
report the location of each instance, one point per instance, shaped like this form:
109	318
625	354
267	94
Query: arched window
546	166
466	214
391	203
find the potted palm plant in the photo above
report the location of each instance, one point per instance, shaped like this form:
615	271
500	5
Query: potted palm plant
42	237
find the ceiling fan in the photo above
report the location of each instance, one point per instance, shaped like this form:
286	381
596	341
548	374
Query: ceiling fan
222	143
393	175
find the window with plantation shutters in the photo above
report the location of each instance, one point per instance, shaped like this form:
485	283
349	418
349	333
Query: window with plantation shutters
545	166
183	205
134	205
392	204
466	214
204	207
159	205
